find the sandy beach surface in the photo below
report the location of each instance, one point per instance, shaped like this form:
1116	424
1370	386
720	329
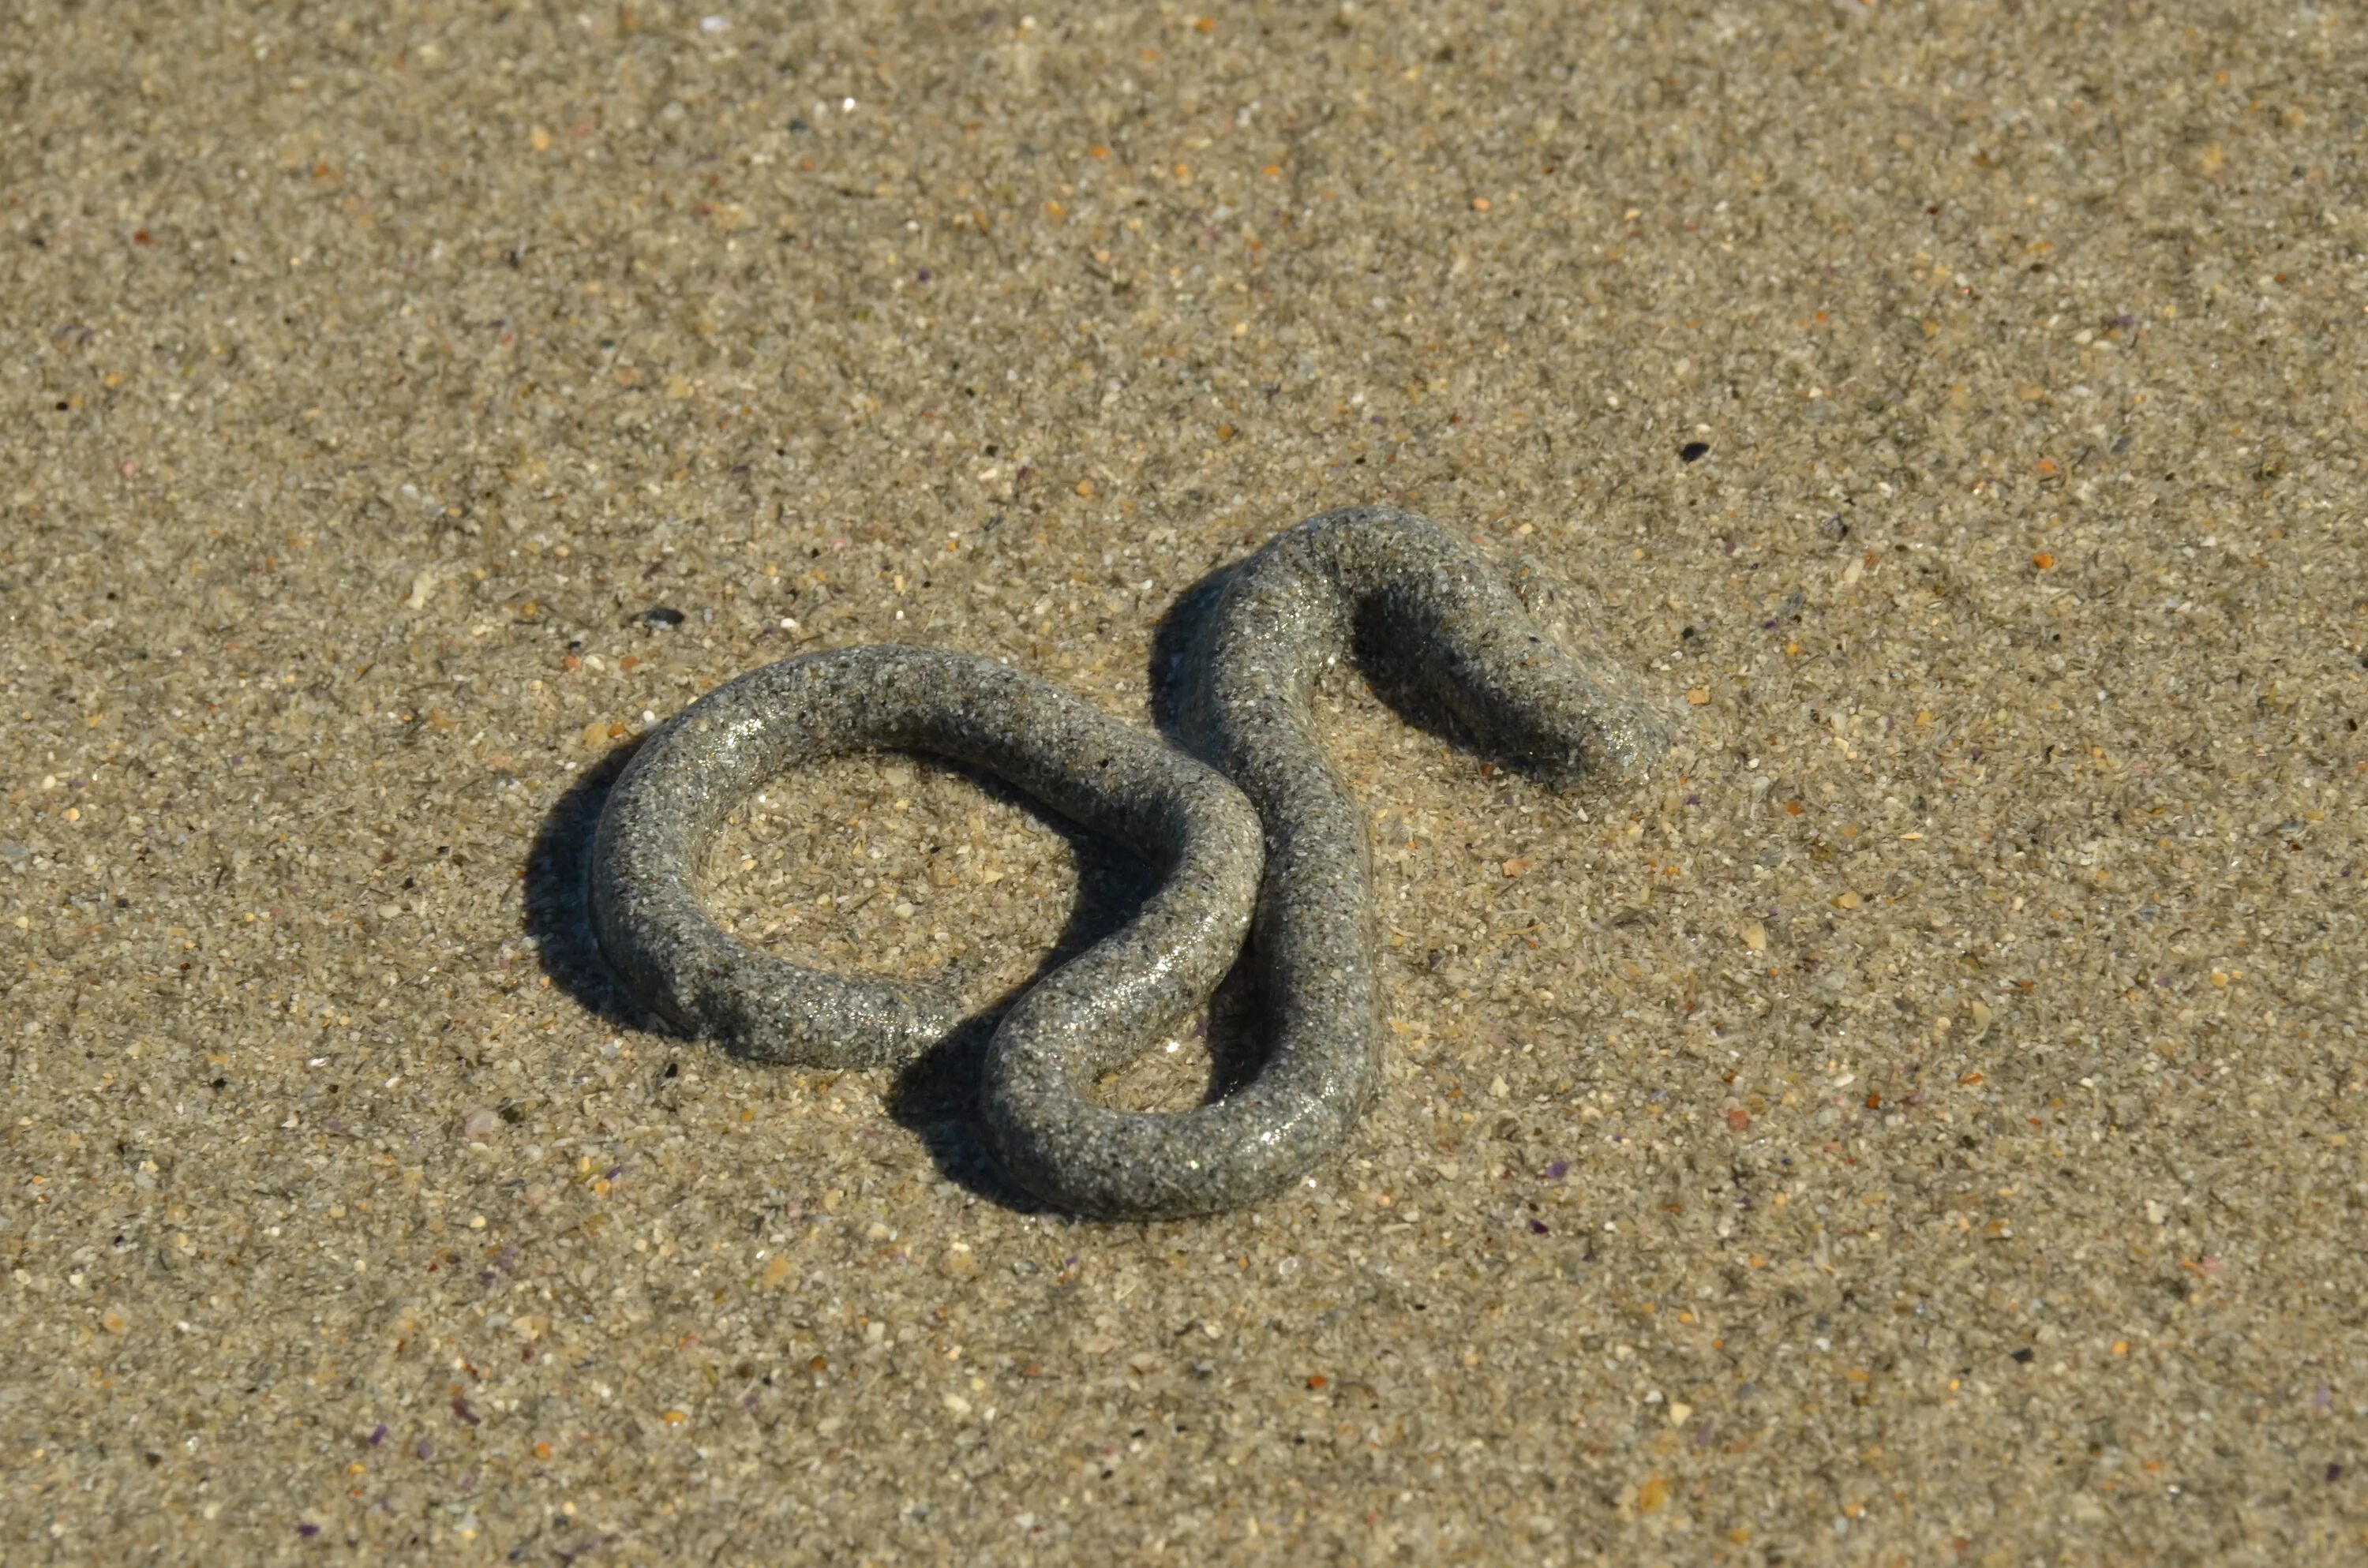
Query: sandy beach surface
1922	1125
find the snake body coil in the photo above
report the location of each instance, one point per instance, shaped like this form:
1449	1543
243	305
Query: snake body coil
672	797
1384	582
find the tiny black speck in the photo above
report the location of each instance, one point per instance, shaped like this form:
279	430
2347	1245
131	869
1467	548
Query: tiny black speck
2025	1354
663	615
1693	449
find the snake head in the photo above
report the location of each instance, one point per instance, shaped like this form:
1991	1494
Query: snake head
1554	718
1515	656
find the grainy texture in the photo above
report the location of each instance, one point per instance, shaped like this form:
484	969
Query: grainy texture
401	348
1449	617
662	818
1451	622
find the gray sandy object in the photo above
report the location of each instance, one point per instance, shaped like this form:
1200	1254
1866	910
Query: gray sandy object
672	797
1452	622
1384	582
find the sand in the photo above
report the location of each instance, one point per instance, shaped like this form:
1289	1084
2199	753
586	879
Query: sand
1923	1125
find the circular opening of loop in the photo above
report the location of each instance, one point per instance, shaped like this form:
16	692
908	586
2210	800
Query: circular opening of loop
903	865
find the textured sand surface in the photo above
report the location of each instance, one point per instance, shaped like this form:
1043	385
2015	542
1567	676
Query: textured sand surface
1925	1126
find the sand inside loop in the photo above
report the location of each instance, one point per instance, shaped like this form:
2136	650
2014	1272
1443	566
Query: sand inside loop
909	866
